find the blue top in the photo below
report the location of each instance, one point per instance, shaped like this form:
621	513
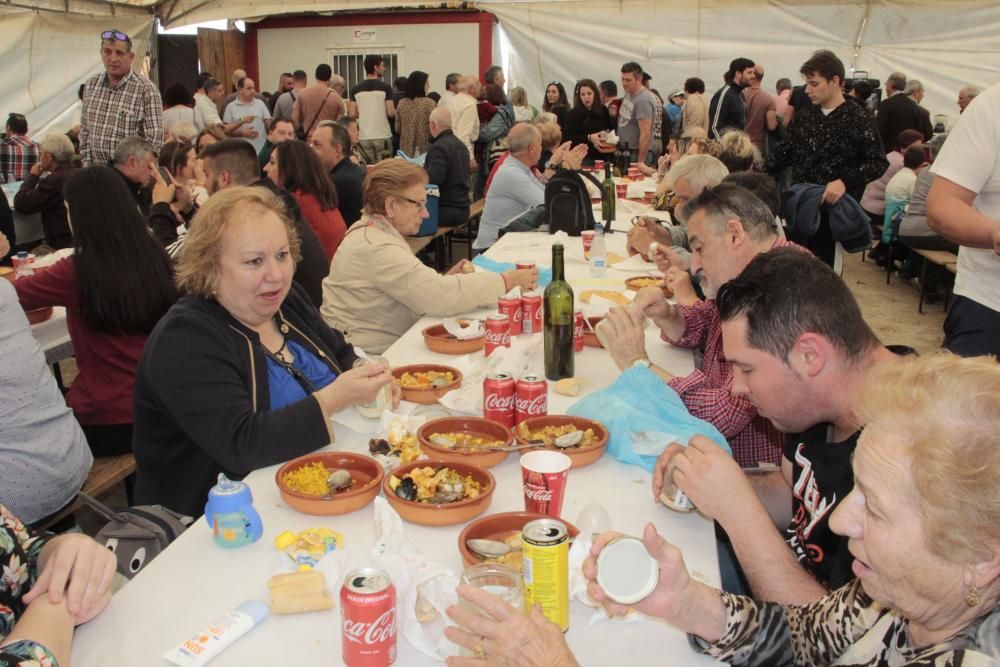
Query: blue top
285	389
514	190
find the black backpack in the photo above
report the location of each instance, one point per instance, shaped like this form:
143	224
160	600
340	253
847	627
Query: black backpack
567	202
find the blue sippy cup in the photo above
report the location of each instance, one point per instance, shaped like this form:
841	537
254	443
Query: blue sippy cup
230	513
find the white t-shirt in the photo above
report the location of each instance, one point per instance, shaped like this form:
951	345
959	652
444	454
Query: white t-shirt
900	186
260	113
971	158
207	112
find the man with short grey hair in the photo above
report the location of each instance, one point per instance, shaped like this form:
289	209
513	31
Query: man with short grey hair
450	89
464	114
447	165
965	96
42	190
135	160
899	112
915	91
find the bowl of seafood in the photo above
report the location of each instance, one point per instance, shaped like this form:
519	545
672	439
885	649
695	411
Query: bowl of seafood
470	440
328	483
636	283
426	383
582	440
497	538
438	493
437	339
590	338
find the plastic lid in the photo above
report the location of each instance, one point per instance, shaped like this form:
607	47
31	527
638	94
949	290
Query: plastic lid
258	611
226	486
626	571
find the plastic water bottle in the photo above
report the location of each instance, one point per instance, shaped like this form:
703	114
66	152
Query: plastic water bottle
598	253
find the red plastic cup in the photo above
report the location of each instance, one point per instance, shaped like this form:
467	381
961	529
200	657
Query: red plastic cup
634	173
544	474
587	237
621	190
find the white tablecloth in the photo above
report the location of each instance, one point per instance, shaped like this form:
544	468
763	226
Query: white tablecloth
194	581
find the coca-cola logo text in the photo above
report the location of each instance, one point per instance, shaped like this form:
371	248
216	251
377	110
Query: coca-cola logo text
534	407
376	632
498	402
539	494
501	337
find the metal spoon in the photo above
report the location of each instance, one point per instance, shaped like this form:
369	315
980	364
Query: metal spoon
490	548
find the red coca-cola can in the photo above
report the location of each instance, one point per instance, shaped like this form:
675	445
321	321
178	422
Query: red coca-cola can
531	312
524	265
511	306
368	618
497	332
498	398
532	398
578	330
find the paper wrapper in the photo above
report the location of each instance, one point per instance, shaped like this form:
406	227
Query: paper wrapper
515	361
634	264
473	328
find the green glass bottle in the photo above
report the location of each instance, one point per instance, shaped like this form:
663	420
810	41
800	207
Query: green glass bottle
608	196
558	321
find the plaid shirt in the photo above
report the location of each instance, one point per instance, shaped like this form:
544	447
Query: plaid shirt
111	113
17	155
708	394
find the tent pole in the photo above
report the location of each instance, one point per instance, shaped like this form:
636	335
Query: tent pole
859	38
196	7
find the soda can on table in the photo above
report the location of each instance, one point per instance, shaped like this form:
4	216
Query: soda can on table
498	398
511	305
368	618
532	398
545	555
578	330
524	265
497	332
531	312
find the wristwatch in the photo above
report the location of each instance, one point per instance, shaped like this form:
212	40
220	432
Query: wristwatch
641	361
551	165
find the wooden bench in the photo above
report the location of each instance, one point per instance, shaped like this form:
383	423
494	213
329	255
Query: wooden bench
944	258
105	474
440	239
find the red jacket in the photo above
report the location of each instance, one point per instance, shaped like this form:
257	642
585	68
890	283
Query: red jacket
329	225
102	393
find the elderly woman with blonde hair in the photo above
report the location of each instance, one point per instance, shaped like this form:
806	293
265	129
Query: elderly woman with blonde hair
377	288
737	151
923	524
242	372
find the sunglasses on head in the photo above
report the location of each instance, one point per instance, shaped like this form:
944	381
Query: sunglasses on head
116	35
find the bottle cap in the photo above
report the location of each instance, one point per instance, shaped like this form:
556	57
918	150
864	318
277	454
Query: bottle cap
626	571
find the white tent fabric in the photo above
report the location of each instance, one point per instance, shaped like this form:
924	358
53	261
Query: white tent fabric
945	43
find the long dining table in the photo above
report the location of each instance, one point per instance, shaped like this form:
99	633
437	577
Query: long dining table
193	581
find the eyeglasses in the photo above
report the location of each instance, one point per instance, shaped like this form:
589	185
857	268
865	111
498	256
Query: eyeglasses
418	204
116	35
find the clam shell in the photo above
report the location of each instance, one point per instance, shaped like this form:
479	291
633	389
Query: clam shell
571	439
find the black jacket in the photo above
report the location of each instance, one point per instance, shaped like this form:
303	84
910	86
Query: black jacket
447	165
202	400
898	113
581	123
727	111
347	178
45	196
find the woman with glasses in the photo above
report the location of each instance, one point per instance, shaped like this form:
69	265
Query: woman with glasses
242	372
556	102
588	120
115	287
377	288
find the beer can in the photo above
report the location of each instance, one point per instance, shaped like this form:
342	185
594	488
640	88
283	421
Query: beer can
497	332
368	618
545	556
532	398
531	313
578	330
524	265
511	306
498	398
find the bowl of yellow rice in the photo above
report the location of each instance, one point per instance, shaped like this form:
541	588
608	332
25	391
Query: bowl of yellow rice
303	485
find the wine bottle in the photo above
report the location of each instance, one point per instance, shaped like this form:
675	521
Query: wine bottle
558	321
608	196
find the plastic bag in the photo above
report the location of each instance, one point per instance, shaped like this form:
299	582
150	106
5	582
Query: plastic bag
643	415
487	264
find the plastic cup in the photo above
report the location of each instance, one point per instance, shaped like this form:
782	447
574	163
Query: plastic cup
588	239
621	190
500	580
543	474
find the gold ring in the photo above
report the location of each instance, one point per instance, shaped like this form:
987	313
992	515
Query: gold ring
478	650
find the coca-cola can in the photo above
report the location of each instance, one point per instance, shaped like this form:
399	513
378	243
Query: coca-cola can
511	305
578	330
531	312
524	265
497	332
368	618
498	398
532	398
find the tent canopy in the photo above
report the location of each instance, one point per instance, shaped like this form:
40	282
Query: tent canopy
48	46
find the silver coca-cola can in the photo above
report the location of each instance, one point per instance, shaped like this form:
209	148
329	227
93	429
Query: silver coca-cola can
497	332
578	330
368	618
511	306
531	312
532	398
498	398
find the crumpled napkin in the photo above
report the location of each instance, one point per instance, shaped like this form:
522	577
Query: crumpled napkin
634	264
350	418
514	361
472	329
599	306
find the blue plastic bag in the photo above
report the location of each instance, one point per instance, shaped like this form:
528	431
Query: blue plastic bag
639	401
419	160
484	262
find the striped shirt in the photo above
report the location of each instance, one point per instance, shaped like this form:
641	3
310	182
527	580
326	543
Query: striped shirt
111	113
17	155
